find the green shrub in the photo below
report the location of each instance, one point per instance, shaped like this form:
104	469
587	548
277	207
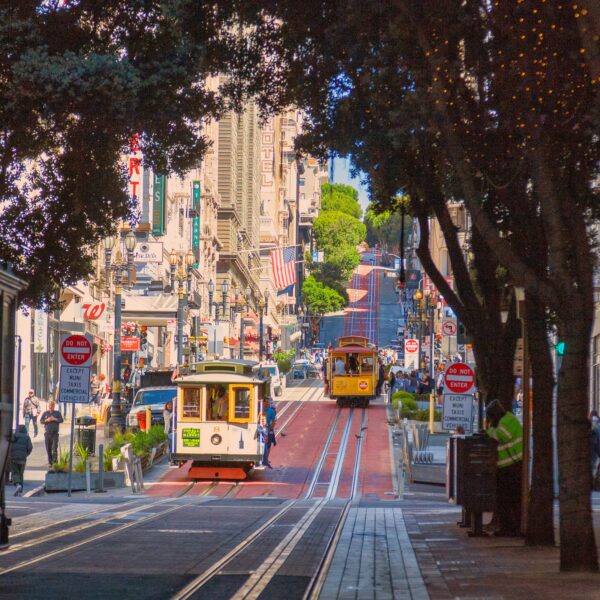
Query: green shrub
62	464
423	415
157	435
82	456
141	443
422	397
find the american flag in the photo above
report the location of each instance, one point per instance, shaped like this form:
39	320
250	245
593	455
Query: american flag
283	264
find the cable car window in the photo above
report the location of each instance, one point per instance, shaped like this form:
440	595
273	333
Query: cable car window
191	403
366	364
218	401
241	404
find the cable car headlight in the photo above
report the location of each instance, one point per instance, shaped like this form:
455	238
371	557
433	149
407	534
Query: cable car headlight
216	439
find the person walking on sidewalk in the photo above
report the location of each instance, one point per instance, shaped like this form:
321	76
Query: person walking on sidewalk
51	420
31	410
508	432
20	449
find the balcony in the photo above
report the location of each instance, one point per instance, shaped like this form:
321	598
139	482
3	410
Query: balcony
307	219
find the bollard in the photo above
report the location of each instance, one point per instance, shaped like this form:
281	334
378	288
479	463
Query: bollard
100	489
148	418
88	484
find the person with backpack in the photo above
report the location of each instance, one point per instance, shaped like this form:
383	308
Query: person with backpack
20	449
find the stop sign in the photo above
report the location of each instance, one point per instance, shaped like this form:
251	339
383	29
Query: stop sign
459	378
411	346
76	350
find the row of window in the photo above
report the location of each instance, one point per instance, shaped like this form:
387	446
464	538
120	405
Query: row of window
216	403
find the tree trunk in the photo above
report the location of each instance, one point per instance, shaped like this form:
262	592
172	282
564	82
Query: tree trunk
577	544
540	527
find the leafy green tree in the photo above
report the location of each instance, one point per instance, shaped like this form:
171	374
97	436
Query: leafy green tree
340	197
78	80
384	228
320	298
334	229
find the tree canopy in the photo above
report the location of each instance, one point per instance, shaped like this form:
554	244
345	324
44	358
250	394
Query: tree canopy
78	80
320	298
334	228
343	198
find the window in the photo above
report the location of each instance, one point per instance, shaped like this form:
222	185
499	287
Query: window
240	404
148	397
301	181
366	365
191	403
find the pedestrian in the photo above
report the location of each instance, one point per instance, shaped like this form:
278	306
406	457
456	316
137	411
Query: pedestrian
168	420
51	420
104	387
20	449
380	378
269	442
31	410
94	390
391	386
340	366
507	431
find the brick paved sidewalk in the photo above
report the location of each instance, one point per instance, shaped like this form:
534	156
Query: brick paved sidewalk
454	565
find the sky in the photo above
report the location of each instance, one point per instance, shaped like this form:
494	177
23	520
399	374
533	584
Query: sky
341	174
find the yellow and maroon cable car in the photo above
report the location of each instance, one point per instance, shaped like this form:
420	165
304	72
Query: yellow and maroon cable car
352	371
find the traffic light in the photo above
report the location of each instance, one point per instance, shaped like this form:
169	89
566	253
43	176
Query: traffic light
144	337
560	348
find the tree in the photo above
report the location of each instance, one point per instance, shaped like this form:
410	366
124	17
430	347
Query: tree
78	80
320	298
334	229
384	228
340	197
475	84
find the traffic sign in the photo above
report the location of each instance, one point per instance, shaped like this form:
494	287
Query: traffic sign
459	378
449	327
75	350
74	386
411	346
411	354
457	410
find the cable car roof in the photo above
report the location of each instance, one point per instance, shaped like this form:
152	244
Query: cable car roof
354	350
217	377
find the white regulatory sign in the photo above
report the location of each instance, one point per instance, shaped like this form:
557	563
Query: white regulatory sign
457	410
74	385
449	327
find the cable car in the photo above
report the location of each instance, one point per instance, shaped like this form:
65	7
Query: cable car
352	370
218	411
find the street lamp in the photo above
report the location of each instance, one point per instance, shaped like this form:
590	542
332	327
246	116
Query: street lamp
211	291
225	291
181	269
116	422
248	294
263	306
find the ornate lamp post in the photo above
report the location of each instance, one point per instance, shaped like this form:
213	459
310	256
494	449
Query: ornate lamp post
116	423
263	307
211	291
248	295
225	291
181	269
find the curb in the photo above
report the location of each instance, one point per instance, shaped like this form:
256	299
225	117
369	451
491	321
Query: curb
37	491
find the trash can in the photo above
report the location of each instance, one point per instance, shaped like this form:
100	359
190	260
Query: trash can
86	433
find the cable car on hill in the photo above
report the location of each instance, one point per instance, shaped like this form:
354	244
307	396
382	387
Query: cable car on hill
218	410
352	370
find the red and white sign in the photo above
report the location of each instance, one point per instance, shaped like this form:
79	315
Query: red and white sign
362	385
76	350
411	354
449	328
459	378
93	311
411	346
130	344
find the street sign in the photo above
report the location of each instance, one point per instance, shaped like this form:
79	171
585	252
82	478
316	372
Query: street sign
449	327
459	379
411	354
76	350
397	264
130	344
457	411
74	386
148	252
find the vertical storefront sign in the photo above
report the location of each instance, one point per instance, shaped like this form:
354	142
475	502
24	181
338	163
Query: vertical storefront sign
158	205
40	332
196	222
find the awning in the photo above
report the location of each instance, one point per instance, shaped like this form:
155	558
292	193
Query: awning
153	311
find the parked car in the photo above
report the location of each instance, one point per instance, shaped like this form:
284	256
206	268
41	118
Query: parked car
276	385
300	369
156	398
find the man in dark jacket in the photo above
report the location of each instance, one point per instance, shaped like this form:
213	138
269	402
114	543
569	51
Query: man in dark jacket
20	449
51	420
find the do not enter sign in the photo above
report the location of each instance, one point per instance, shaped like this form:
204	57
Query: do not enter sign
411	346
459	378
76	351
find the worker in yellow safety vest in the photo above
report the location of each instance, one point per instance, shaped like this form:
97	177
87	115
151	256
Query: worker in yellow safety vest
506	429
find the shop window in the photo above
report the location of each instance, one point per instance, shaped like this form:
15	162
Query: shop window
191	403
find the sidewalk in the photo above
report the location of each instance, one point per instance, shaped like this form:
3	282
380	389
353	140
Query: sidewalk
37	463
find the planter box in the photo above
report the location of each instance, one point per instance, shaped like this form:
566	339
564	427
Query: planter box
58	482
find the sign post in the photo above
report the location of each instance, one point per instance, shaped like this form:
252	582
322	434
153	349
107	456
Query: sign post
459	382
74	386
